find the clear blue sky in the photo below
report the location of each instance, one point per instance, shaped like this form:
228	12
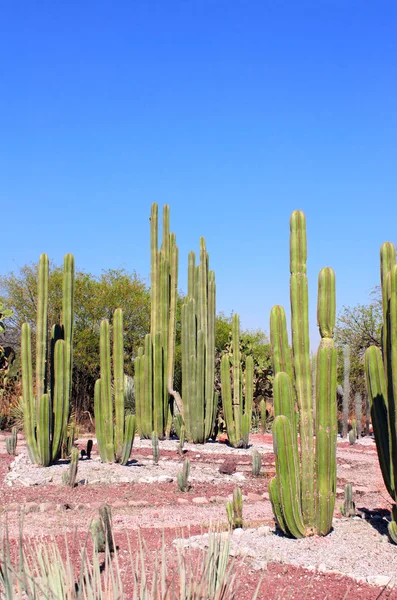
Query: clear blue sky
235	112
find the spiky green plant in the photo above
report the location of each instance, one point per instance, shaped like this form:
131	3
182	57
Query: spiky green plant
348	508
115	430
381	374
234	509
69	477
46	414
237	407
154	365
199	402
183	476
155	448
256	463
300	507
11	442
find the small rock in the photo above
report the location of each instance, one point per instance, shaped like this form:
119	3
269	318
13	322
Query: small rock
46	507
138	503
182	501
165	479
80	506
31	507
118	504
200	500
12	507
239	476
265	495
228	467
322	567
264	530
378	580
254	497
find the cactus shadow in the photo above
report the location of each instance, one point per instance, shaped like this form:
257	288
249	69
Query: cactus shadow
378	519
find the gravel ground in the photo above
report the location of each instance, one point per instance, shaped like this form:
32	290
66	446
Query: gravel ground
356	547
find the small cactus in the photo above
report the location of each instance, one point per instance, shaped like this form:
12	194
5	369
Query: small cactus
155	448
69	477
101	530
11	442
181	440
89	448
353	433
262	408
234	509
256	463
348	508
183	477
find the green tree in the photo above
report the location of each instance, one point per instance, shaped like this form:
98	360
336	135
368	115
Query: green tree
359	327
96	298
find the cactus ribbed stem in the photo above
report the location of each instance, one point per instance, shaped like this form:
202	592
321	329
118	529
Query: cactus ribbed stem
118	367
346	389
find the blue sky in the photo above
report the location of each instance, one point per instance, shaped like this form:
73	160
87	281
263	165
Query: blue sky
233	112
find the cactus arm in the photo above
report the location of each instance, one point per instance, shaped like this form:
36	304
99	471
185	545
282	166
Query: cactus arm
211	406
68	326
376	386
106	392
99	420
138	383
41	333
147	389
158	406
118	368
346	388
130	430
236	373
301	352
249	386
287	476
276	506
154	265
43	431
58	400
227	401
279	342
27	393
172	325
326	434
284	403
200	388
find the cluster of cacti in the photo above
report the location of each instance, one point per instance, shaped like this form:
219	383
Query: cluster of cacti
237	407
381	373
198	350
115	430
348	508
234	509
256	463
154	365
346	390
11	442
69	477
155	448
46	414
183	476
101	530
303	491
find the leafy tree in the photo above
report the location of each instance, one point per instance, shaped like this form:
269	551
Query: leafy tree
359	327
96	298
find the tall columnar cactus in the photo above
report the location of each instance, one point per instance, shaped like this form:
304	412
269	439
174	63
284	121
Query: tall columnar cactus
46	414
346	389
154	365
300	506
115	430
381	374
358	407
237	407
198	350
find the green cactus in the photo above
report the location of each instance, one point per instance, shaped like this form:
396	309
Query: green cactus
263	415
198	350
115	429
234	509
46	415
346	390
183	476
256	463
353	433
154	365
237	408
358	406
69	477
348	508
155	448
381	374
300	507
181	440
11	442
101	530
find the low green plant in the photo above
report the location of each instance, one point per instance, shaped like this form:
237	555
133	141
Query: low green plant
69	477
348	508
155	447
234	509
183	477
256	463
11	442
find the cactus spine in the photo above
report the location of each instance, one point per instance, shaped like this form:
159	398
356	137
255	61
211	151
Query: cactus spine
237	409
114	440
346	389
46	415
381	374
154	365
198	350
299	508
